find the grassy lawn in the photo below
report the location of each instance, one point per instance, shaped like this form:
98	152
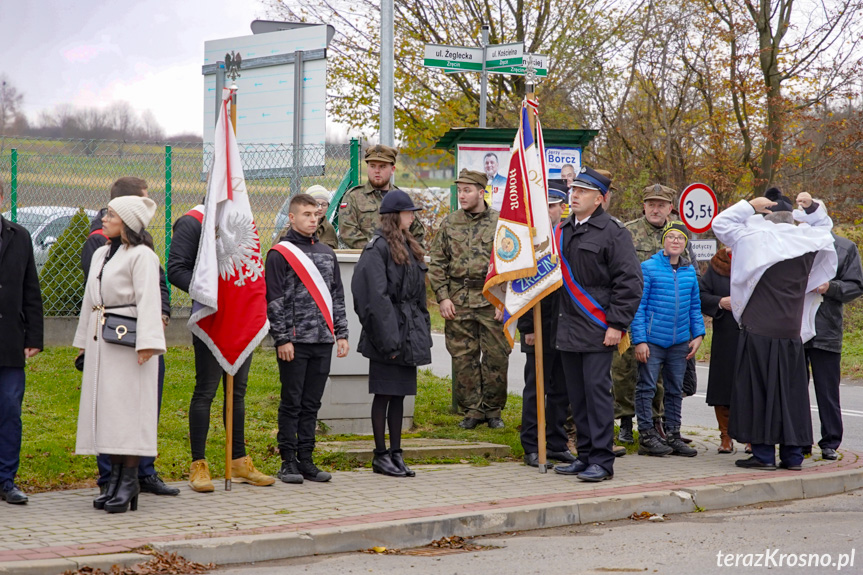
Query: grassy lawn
50	417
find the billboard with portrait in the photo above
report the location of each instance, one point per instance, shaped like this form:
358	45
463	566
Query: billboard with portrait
493	159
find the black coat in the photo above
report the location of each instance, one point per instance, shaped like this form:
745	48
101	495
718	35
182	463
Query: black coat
844	288
604	261
96	240
184	251
549	309
723	347
390	301
21	324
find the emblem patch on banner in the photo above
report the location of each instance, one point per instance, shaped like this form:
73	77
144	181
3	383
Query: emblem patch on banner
508	244
236	248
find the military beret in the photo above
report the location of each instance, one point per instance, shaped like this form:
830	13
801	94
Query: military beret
658	192
472	177
592	180
381	153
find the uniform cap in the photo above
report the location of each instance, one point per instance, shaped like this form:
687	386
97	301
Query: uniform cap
319	192
397	201
135	211
590	179
381	153
783	204
658	192
472	177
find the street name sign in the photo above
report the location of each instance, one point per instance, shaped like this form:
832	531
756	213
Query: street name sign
504	55
540	66
453	58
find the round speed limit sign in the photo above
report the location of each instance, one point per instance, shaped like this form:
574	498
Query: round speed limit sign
697	207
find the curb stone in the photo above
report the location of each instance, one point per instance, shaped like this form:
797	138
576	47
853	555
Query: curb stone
57	566
408	533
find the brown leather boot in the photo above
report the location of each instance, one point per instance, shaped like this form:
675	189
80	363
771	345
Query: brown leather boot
725	445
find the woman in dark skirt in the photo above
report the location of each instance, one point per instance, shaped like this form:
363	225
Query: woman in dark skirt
716	303
390	300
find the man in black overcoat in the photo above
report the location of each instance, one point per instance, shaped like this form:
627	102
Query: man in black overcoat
20	338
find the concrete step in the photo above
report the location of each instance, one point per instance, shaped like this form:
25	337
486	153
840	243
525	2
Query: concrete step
419	448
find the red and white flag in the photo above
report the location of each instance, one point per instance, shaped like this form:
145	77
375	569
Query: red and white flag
229	294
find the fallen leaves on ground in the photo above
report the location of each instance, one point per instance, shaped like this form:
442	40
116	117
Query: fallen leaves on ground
160	564
648	516
455	542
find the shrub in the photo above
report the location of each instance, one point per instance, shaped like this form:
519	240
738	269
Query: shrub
62	280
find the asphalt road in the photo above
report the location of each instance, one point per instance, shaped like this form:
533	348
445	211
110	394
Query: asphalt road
830	528
695	411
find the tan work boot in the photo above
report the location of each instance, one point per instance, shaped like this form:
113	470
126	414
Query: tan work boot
199	477
243	471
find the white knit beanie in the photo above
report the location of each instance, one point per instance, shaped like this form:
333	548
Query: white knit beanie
319	192
135	211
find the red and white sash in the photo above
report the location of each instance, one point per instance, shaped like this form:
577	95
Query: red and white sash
197	212
311	277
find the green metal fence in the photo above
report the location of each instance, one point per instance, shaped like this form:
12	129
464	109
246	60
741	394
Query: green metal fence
50	180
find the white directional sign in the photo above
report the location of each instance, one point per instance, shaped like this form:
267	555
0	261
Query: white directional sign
504	55
455	58
540	66
698	207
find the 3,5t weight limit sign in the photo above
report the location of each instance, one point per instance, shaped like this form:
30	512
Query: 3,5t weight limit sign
698	207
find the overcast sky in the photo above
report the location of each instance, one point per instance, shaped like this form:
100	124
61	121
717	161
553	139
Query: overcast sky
94	52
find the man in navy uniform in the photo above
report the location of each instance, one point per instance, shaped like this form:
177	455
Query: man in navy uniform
602	291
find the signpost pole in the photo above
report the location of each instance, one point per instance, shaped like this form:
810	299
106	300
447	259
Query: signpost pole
387	71
296	177
483	94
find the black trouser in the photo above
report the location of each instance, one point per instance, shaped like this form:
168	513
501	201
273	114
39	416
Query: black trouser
208	373
555	404
588	383
303	381
146	465
825	367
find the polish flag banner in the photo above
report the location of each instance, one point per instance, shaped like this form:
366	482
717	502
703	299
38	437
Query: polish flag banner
229	294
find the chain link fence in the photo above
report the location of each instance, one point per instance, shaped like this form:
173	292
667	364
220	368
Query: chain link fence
50	182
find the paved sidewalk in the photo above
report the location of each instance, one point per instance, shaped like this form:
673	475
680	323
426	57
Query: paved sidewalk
359	509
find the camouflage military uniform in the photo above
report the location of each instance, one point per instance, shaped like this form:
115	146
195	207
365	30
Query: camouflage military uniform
359	217
326	234
460	255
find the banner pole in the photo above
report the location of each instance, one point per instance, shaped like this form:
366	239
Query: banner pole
229	427
537	332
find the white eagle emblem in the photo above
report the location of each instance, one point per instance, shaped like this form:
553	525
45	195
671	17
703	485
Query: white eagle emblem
237	249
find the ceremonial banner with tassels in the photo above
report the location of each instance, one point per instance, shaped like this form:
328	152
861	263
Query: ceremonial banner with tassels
525	266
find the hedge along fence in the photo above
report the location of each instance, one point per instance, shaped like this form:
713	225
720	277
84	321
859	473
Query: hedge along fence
62	279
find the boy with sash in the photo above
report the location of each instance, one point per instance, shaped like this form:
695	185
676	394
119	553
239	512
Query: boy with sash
306	309
602	290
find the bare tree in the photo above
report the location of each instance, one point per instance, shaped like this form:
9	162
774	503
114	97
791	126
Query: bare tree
10	104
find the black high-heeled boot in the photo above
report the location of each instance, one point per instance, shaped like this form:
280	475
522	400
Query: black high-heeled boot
127	492
399	461
110	488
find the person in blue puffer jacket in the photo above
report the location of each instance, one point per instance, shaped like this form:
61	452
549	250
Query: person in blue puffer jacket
667	331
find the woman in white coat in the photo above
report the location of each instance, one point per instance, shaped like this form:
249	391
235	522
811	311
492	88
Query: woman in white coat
119	392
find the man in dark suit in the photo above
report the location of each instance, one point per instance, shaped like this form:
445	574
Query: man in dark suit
20	338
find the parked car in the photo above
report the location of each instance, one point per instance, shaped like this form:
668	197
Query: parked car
46	224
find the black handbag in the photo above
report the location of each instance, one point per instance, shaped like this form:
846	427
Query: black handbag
79	362
690	379
119	329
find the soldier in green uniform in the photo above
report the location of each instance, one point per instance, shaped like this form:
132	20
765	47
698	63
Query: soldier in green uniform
647	236
460	255
358	211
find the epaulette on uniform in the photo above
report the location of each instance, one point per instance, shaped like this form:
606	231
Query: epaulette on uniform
618	222
372	241
628	223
